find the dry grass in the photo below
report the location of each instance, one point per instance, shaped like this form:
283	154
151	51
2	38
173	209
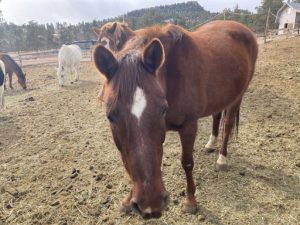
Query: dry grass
64	132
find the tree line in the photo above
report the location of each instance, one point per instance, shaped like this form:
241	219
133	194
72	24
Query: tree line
35	36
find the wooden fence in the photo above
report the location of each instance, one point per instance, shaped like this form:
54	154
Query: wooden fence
43	57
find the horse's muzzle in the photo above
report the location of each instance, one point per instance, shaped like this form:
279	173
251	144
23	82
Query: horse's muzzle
148	213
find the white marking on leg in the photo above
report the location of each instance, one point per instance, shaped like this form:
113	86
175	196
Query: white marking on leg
148	210
222	160
139	103
211	144
106	40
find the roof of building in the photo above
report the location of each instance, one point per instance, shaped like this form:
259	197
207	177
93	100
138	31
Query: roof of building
293	5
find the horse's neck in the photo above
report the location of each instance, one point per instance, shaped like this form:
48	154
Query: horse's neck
16	69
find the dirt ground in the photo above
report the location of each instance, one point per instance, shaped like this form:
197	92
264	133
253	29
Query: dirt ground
59	165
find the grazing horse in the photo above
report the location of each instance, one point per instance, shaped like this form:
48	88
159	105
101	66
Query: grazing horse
12	67
113	35
2	82
69	57
165	78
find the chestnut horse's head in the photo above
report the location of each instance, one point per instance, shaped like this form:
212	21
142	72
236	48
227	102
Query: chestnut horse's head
113	35
136	107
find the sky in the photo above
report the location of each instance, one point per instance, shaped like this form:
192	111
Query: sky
74	11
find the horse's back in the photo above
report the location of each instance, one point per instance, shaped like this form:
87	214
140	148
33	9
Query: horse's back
69	54
228	35
218	65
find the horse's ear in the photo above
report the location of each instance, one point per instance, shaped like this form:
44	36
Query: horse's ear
96	30
105	61
153	56
113	28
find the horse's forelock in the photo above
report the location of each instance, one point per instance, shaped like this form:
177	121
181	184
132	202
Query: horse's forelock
124	83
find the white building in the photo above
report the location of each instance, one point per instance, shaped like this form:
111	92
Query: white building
288	17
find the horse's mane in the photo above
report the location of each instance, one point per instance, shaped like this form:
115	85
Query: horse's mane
168	33
17	68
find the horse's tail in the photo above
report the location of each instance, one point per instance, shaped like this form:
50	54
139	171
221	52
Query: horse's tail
235	129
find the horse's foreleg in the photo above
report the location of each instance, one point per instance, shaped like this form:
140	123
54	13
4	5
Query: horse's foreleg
211	144
10	81
230	119
187	136
61	75
76	73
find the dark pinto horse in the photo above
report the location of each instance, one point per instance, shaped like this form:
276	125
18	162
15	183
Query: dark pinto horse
12	67
165	78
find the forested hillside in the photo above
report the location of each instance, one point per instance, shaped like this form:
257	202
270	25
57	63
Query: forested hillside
35	36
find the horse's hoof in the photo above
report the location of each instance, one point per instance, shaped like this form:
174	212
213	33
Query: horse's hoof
221	167
190	207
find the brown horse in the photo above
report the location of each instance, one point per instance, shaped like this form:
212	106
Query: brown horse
113	35
165	78
12	67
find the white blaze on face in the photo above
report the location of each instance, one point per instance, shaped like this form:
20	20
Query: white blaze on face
105	39
139	103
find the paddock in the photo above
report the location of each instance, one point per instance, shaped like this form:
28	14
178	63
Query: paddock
59	164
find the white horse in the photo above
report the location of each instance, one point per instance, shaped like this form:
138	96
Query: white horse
2	83
69	57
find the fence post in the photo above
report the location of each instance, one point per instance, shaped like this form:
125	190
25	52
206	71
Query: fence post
267	26
20	59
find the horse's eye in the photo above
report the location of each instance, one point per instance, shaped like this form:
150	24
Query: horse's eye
112	117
